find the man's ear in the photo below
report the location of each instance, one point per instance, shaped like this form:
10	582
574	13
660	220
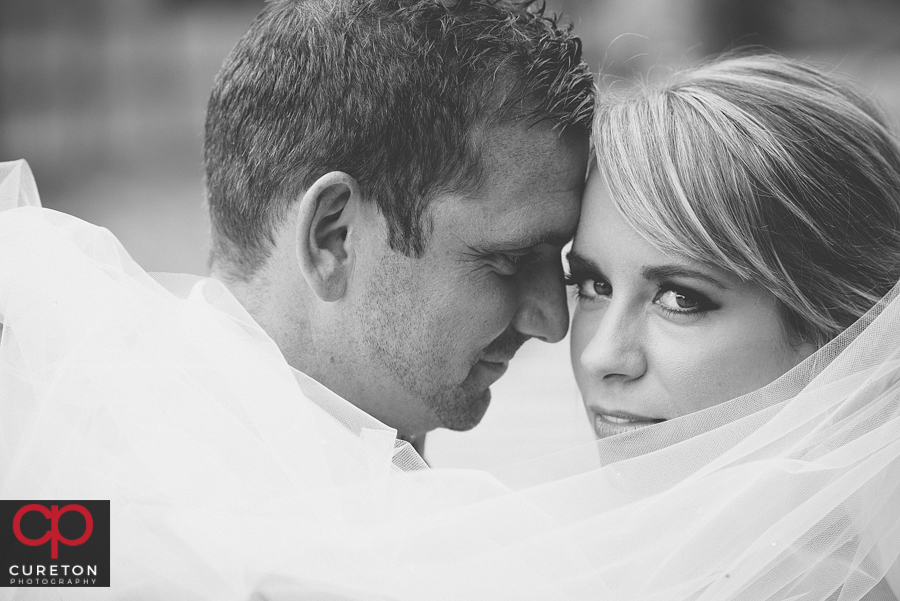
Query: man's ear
324	214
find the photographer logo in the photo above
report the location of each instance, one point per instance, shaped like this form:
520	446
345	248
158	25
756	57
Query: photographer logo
54	543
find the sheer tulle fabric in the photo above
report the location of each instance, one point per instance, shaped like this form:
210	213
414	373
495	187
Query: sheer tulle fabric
231	475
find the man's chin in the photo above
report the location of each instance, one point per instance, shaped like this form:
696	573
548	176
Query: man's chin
464	412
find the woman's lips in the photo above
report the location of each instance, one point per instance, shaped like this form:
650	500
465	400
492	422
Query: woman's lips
610	424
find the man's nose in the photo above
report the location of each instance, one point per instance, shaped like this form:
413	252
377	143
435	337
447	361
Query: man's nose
543	312
615	351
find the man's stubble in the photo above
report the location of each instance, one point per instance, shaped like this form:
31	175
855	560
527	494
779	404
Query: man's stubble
406	333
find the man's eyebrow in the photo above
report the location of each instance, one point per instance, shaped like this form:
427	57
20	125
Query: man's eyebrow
665	272
546	237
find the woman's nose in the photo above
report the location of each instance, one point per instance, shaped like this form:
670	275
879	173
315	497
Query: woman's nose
615	351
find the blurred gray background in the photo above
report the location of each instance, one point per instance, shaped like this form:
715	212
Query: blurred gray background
106	98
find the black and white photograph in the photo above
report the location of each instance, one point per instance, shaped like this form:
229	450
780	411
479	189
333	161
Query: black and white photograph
450	300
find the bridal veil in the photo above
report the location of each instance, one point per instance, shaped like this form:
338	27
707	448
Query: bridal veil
231	475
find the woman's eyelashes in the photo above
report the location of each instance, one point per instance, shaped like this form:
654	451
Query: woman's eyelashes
681	300
674	300
588	287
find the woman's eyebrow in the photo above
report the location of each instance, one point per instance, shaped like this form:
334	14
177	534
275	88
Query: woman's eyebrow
665	272
581	264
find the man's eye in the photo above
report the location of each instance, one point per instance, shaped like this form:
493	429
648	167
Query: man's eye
509	264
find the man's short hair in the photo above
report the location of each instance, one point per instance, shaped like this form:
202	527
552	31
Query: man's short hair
397	93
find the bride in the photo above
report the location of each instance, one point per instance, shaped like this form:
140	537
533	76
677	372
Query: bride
735	342
739	218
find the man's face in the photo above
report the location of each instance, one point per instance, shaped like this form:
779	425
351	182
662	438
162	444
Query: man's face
433	333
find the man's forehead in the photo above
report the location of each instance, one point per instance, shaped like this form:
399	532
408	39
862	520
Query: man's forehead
531	194
493	226
522	143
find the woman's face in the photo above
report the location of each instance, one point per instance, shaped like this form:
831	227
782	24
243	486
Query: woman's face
656	336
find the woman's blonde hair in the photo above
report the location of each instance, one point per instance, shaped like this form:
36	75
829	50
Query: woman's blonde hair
766	167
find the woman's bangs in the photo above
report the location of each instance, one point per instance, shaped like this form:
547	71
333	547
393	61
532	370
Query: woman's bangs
649	151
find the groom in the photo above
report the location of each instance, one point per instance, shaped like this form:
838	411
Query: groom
390	183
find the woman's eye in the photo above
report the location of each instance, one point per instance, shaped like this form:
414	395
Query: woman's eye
589	289
682	301
676	301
